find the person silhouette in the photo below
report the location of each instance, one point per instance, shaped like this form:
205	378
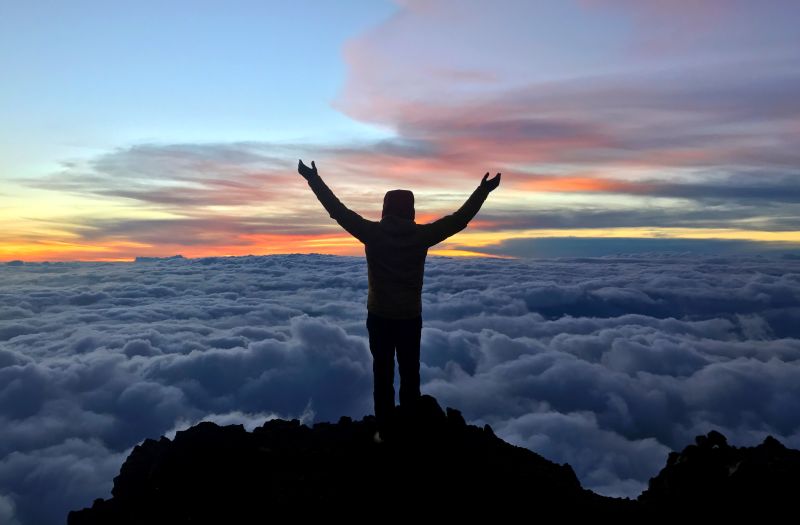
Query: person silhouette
395	248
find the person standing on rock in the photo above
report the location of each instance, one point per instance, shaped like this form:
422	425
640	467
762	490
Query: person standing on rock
396	248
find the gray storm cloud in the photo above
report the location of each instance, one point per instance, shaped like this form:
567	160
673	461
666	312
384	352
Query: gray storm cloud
606	363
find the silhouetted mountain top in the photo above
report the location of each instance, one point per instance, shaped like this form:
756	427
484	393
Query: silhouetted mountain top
433	463
713	474
143	258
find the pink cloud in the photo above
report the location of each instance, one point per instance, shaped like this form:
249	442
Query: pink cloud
513	52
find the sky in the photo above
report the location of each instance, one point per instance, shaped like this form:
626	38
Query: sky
159	128
605	363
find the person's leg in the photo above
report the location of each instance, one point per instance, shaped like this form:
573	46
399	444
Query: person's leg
408	343
381	345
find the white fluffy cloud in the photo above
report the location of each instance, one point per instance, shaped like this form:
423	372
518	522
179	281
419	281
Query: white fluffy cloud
605	363
7	511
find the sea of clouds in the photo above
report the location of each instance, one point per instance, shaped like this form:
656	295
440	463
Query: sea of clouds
605	363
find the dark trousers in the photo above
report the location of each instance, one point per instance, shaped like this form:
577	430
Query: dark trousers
385	337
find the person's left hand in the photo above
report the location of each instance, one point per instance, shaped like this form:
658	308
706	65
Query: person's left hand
305	171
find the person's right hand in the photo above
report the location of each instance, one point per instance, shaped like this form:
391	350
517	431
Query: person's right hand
490	184
305	171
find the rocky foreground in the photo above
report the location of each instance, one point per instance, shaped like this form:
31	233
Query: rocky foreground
434	463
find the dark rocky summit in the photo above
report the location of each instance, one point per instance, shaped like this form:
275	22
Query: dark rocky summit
713	475
432	464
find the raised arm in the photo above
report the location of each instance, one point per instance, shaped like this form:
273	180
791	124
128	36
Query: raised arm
445	227
353	223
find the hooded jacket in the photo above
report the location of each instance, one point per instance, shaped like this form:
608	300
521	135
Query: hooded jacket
396	249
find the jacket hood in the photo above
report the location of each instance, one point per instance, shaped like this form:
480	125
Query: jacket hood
400	203
396	226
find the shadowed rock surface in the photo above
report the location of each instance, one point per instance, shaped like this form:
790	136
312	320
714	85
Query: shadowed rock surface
433	463
713	475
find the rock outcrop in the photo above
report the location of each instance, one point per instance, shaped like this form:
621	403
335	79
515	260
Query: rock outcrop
432	464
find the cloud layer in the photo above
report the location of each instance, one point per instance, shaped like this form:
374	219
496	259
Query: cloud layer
605	363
